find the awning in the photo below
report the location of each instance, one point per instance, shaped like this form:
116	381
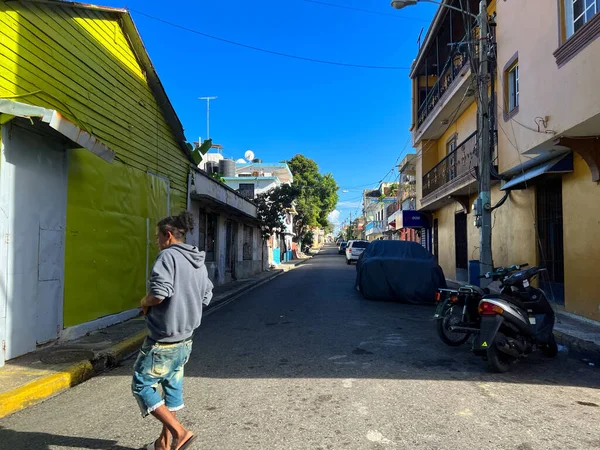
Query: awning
411	219
562	164
56	121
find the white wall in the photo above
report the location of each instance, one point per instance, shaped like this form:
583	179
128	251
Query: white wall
33	200
205	185
260	185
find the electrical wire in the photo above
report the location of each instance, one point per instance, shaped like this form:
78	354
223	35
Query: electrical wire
451	122
512	119
271	52
368	11
531	208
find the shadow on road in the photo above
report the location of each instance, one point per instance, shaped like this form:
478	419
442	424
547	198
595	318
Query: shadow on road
312	323
45	441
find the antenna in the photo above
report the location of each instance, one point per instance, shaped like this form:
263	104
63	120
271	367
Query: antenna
208	99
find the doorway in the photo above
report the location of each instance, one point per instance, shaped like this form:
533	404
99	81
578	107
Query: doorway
33	186
231	229
550	234
460	244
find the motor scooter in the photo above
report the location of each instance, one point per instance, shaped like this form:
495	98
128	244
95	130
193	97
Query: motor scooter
457	317
515	323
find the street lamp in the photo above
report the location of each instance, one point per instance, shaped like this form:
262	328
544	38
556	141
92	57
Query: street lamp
482	206
399	4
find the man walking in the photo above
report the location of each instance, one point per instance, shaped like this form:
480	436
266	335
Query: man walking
179	287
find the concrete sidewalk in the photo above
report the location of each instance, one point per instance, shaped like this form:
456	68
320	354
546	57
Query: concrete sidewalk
48	371
579	335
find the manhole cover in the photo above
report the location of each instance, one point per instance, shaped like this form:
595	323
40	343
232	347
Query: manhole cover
66	355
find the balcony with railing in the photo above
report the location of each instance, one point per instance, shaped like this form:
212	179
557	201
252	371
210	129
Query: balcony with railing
375	227
455	174
443	84
392	208
407	190
435	94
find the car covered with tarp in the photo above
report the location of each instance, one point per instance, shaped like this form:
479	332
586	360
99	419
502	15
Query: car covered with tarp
399	270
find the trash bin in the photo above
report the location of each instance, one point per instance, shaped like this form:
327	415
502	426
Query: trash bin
474	272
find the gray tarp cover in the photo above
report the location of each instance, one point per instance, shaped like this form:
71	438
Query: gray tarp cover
399	270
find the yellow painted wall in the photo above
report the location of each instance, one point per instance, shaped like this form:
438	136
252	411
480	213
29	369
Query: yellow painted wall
513	235
581	223
79	62
446	243
463	126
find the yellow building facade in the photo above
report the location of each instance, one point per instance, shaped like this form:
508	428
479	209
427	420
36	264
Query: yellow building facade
547	128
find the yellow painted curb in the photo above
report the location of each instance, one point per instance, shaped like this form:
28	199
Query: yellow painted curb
44	387
49	385
128	346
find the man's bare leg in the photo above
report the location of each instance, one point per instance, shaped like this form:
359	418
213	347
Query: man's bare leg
164	440
170	426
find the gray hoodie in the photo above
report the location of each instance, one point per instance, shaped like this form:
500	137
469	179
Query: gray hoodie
180	278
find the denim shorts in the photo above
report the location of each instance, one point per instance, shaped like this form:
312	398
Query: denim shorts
160	364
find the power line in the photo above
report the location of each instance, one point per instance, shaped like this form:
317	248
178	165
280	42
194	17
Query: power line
271	52
368	11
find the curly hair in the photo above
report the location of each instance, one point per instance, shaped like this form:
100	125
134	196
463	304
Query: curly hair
178	226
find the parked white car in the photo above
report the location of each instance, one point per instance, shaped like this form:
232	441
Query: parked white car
354	250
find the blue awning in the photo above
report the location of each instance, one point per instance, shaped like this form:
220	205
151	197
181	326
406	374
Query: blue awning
562	164
411	219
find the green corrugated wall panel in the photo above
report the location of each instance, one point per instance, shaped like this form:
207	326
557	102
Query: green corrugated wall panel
108	206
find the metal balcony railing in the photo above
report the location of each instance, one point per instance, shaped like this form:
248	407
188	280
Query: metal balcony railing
461	161
449	73
375	227
391	209
408	190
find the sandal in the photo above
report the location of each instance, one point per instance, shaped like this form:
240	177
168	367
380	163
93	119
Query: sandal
187	443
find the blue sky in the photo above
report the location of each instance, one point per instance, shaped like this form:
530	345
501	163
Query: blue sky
352	121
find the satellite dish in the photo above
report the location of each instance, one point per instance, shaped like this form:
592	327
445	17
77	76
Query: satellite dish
241	161
249	155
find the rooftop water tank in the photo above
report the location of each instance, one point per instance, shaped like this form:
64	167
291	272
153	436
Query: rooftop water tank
227	167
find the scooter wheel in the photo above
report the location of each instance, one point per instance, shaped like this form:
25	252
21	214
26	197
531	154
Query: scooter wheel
550	349
451	317
498	361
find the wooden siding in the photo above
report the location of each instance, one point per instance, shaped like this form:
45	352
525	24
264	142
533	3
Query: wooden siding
80	63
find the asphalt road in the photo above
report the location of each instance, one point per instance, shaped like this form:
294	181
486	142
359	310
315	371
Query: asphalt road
304	362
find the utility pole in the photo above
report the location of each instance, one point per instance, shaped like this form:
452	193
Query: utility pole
208	99
483	208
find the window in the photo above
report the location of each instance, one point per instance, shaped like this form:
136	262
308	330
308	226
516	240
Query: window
248	242
207	234
246	190
510	87
513	87
580	26
578	13
451	144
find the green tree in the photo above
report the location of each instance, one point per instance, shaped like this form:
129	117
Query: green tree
349	233
318	194
271	207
